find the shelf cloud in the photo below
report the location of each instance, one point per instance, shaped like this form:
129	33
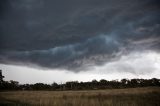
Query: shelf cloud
77	34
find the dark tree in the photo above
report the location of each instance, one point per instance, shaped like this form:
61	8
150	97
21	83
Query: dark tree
55	86
1	77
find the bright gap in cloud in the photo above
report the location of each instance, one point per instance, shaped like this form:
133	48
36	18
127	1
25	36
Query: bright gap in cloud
133	65
136	63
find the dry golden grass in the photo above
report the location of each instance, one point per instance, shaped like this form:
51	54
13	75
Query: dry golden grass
149	96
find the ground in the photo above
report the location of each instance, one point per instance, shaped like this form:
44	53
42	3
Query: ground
148	96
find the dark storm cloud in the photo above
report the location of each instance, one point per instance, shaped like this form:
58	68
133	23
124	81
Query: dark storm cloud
74	34
68	56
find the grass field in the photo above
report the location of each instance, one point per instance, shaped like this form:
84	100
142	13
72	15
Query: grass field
149	96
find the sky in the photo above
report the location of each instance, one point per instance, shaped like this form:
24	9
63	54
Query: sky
62	40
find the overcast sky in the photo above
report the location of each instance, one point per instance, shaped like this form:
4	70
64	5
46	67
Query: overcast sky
62	40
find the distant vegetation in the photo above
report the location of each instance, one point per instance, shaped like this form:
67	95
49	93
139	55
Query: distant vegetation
75	85
74	93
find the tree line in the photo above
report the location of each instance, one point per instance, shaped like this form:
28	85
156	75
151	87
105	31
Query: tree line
75	85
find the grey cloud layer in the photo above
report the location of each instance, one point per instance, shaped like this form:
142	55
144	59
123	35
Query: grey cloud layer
73	34
68	56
